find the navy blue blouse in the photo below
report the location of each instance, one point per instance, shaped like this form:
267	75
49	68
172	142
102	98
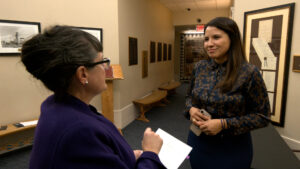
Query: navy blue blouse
245	107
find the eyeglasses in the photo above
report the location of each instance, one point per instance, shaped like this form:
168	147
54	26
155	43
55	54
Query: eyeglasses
105	61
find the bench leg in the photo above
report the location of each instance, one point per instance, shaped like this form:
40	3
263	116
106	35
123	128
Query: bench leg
142	116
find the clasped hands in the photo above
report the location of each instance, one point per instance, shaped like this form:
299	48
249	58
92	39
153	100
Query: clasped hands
206	124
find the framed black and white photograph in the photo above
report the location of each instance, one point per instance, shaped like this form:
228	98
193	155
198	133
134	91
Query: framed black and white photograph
97	32
14	33
267	42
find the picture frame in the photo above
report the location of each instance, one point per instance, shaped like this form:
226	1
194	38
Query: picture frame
144	64
267	44
97	32
133	51
152	51
296	63
159	51
165	51
169	52
14	33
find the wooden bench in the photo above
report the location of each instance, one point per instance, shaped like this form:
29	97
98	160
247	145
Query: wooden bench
170	87
13	137
156	98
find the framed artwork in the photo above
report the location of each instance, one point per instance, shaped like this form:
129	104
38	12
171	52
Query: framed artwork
97	32
165	51
296	63
191	52
267	42
159	51
169	52
152	52
14	33
133	51
144	64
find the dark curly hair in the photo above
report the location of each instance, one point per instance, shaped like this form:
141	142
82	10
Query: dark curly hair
54	56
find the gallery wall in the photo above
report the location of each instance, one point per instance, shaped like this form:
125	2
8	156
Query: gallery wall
146	20
290	131
20	94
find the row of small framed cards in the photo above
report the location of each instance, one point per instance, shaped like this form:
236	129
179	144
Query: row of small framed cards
296	63
163	51
14	33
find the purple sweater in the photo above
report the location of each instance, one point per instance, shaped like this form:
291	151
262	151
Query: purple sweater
72	135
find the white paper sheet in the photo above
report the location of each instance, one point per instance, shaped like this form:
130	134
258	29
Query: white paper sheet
29	123
173	151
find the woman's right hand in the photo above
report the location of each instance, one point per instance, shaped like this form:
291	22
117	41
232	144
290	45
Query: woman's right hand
151	141
196	115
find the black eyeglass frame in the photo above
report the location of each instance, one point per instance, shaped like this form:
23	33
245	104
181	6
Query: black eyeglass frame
105	60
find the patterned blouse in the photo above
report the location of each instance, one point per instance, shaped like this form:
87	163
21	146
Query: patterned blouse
245	107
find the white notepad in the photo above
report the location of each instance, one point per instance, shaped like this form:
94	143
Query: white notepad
173	151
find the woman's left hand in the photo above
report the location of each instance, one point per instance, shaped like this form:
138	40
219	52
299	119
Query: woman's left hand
137	153
211	126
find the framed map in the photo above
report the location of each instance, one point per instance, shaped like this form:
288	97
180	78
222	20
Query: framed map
267	42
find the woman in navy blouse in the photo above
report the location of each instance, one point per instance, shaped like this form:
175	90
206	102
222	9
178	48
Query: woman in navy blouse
71	134
233	92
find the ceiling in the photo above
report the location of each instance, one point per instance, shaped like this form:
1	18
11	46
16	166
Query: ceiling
196	5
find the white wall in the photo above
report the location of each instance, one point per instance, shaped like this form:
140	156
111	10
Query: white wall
146	20
20	94
290	132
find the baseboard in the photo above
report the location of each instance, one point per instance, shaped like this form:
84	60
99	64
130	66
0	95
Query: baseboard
293	144
125	116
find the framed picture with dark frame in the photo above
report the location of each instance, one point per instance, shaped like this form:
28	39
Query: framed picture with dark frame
144	64
296	63
97	32
152	51
159	51
133	51
165	52
169	52
14	33
267	42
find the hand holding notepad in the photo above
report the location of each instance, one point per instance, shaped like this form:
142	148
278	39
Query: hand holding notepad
173	151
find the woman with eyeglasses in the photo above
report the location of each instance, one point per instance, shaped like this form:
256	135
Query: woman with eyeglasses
70	132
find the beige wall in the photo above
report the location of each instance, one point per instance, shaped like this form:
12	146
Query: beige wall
190	18
146	20
20	94
290	132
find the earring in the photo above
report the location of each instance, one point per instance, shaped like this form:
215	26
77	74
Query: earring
86	82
